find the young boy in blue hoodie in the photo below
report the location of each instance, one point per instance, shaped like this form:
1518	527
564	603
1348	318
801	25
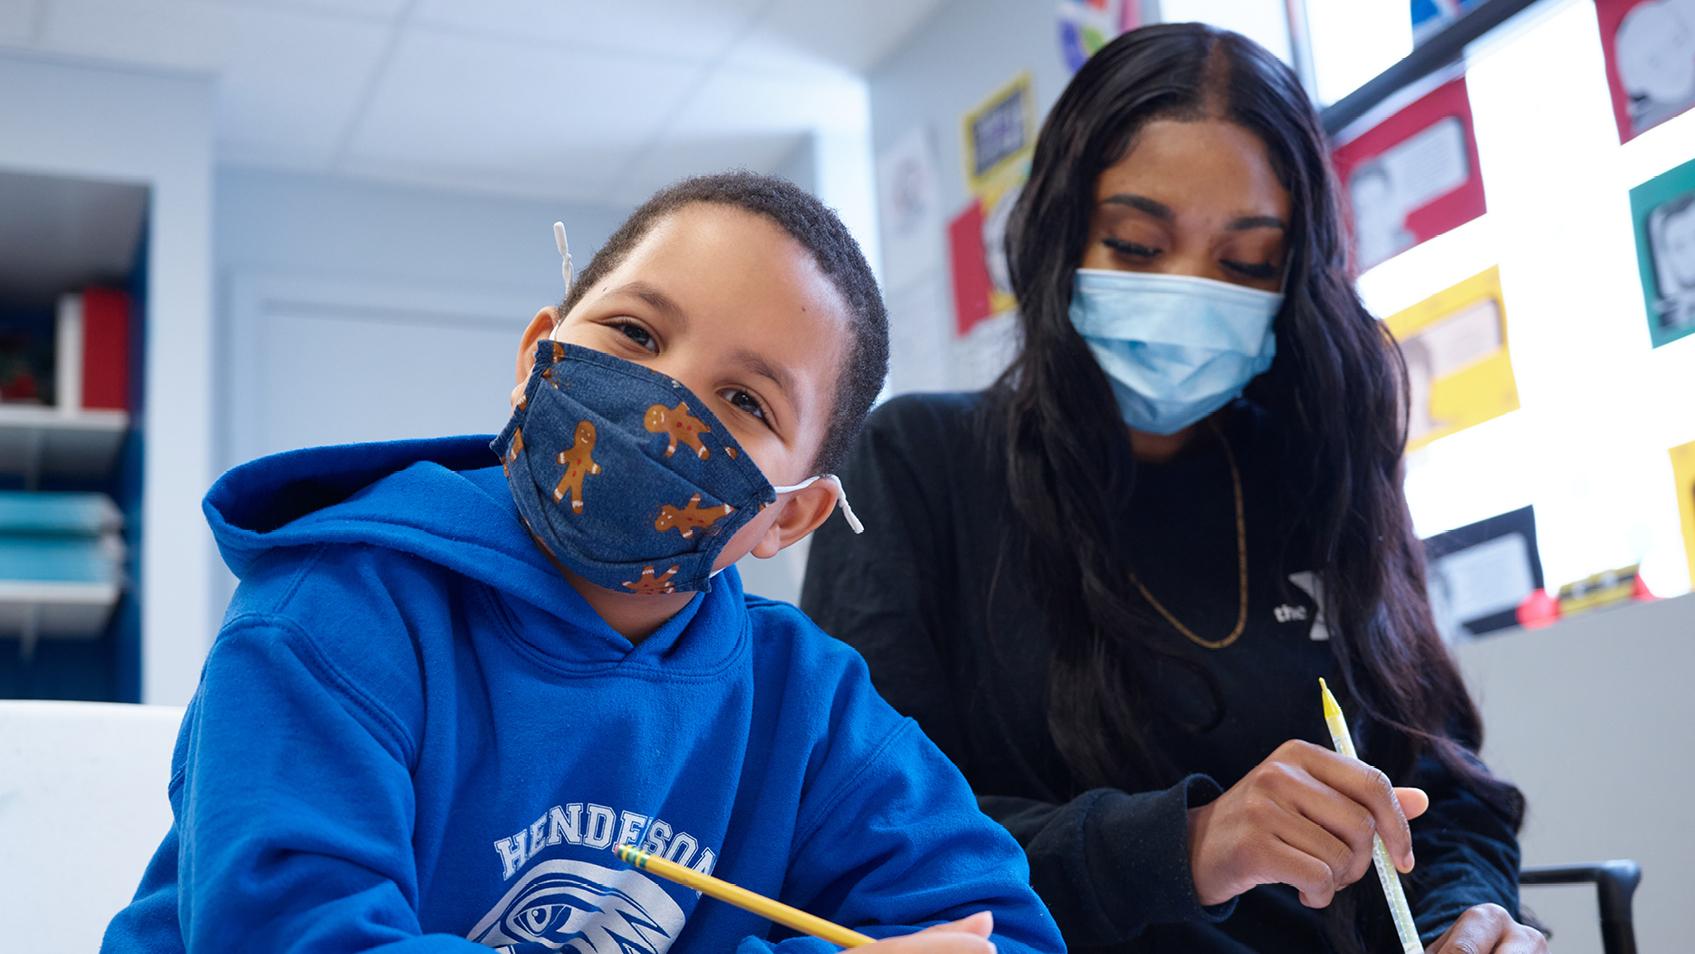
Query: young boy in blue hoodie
452	681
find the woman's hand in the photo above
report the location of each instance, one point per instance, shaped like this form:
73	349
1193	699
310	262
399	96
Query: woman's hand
1489	929
966	936
1303	817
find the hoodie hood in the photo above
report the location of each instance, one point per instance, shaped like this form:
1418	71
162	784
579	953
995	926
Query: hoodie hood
443	500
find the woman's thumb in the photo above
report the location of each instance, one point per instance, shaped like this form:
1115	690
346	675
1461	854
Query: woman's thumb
1414	802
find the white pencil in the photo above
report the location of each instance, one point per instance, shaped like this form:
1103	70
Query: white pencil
1386	873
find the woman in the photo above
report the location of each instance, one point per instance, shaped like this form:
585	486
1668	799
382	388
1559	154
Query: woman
1108	585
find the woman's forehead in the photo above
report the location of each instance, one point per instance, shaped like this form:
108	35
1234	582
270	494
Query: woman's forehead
1199	164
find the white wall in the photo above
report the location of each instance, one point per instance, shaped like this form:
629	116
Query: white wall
350	310
1593	718
395	262
155	129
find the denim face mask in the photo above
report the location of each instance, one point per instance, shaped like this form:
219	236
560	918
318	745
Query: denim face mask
624	477
1175	348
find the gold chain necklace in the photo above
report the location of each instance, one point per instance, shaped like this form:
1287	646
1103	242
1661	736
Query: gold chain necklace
1241	568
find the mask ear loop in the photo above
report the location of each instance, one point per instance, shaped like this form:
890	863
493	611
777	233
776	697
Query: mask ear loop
564	247
841	496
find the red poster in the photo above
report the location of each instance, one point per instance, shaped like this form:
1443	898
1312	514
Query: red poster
971	285
1650	50
1413	176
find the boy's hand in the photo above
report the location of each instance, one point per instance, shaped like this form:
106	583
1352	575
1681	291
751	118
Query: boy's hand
966	936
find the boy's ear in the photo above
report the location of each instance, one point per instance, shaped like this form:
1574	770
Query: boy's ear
802	512
539	327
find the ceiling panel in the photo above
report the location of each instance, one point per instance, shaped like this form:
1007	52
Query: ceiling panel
505	106
572	98
374	10
694	31
175	34
17	21
851	37
294	83
682	156
541	180
737	101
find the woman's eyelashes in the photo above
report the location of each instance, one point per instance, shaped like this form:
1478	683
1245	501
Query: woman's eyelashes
1134	251
1144	254
1259	271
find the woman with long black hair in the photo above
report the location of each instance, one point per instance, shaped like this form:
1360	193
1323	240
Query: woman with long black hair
1108	585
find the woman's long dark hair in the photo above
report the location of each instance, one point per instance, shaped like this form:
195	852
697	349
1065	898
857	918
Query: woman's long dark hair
1335	395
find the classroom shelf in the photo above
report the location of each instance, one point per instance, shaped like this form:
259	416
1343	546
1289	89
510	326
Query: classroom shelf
31	610
38	441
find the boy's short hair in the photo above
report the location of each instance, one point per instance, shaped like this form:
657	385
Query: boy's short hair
821	233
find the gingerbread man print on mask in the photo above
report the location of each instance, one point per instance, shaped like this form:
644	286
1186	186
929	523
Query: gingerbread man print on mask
690	517
578	464
650	585
679	425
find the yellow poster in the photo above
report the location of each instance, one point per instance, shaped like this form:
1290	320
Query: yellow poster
1000	135
1459	371
1683	472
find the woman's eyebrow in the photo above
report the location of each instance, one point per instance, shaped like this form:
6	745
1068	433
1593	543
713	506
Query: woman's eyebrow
1163	212
1158	210
1258	222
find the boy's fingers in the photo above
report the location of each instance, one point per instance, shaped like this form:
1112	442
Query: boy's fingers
981	924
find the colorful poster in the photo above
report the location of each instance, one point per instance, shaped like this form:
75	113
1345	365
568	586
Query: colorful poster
909	204
1459	372
971	288
1413	176
1087	25
1430	16
1479	574
1650	51
1663	209
1000	135
1683	475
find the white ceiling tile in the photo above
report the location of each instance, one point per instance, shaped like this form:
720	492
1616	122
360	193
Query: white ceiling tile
497	106
506	181
732	101
384	10
680	156
293	82
17	20
690	30
796	34
176	34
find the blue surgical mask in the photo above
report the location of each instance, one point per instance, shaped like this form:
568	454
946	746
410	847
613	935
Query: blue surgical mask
1176	348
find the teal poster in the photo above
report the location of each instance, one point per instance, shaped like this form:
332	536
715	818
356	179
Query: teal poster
1663	209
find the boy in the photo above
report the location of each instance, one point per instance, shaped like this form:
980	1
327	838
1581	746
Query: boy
451	684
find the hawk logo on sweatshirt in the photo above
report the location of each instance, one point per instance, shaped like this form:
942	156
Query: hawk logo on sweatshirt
582	907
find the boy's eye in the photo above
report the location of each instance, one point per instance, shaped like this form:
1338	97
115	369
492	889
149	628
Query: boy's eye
743	401
636	333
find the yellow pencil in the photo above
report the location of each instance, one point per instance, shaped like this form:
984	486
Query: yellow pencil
1386	876
743	898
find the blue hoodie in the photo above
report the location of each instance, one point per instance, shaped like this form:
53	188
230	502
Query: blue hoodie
411	731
